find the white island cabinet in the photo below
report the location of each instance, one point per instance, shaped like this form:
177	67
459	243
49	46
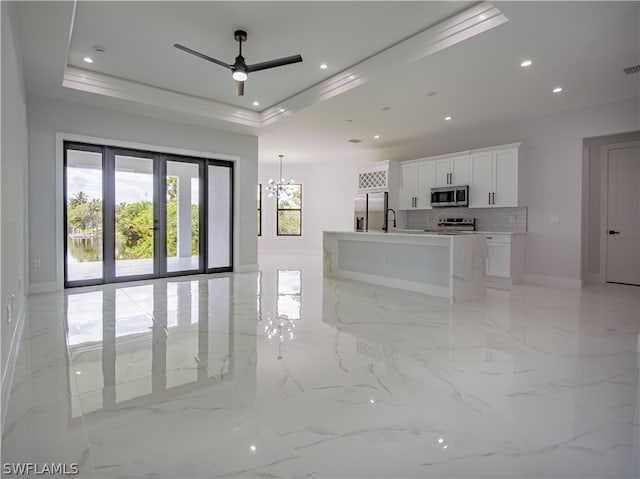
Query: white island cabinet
450	266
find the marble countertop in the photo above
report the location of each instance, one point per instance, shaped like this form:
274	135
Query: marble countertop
414	232
410	233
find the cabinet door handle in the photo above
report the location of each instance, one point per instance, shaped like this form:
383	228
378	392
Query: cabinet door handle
489	198
611	232
493	198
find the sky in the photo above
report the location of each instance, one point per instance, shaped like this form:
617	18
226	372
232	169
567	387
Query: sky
131	186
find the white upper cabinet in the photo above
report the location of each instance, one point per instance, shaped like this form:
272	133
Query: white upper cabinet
408	186
416	181
426	181
452	171
491	173
494	177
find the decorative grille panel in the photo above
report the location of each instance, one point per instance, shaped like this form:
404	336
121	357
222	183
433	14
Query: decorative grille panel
372	179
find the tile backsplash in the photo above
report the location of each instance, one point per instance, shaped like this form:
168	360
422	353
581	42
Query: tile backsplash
487	219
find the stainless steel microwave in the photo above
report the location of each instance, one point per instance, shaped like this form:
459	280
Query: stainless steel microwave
450	196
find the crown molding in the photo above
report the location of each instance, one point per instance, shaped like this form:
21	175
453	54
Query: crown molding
463	26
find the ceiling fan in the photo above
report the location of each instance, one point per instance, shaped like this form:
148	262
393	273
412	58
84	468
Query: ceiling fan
240	70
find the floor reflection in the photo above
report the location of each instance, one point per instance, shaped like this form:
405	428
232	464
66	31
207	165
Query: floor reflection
134	343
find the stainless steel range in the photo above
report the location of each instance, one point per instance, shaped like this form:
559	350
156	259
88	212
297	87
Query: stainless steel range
454	225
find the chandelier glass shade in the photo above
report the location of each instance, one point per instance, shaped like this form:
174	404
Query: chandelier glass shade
274	186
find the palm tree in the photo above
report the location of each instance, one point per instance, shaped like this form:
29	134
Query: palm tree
79	198
95	211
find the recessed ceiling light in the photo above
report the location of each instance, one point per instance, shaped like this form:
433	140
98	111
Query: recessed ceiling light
256	103
526	63
323	66
281	110
448	118
376	137
88	59
557	89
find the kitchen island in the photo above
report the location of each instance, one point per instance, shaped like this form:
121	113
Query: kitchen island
446	265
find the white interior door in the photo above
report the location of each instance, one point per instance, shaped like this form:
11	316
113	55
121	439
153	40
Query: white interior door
623	215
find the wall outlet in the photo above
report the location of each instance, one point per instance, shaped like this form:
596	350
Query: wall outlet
383	258
8	314
554	219
36	263
512	219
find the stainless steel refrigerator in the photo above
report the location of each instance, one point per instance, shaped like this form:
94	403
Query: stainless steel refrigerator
369	212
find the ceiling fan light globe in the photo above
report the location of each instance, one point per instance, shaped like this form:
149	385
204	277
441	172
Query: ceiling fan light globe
239	75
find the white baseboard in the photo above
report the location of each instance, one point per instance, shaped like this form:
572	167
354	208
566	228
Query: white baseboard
592	278
245	268
10	366
48	287
553	281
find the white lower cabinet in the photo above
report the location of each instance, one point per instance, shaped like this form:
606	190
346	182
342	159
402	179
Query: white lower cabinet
505	259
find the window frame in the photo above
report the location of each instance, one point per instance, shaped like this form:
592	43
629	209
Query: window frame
278	210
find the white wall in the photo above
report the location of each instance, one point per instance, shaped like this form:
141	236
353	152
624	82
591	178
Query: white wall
13	197
328	191
551	175
48	116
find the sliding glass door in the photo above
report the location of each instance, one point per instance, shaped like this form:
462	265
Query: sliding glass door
183	216
83	181
134	223
133	215
219	215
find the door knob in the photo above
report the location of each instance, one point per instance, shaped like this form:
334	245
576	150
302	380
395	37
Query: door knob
612	232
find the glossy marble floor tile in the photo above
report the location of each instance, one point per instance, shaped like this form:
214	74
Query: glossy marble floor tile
282	373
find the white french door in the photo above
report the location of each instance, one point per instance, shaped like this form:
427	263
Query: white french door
132	215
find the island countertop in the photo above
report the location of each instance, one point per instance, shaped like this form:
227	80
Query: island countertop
446	265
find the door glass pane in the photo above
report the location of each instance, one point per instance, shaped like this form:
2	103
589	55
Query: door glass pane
219	216
134	248
84	215
183	216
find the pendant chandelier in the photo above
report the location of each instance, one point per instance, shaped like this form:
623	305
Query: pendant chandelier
276	185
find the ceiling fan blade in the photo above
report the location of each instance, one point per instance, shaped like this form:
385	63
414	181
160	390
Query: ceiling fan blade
239	88
274	63
202	55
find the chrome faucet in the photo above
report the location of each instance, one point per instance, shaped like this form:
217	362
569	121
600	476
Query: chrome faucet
386	219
